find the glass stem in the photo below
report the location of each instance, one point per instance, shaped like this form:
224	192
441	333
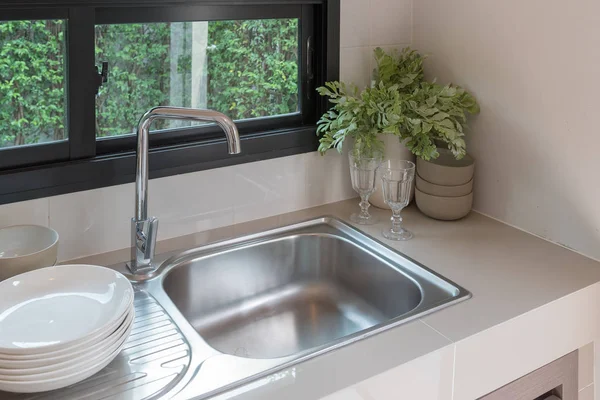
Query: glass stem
396	221
364	207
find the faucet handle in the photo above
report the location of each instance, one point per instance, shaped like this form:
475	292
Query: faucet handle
143	235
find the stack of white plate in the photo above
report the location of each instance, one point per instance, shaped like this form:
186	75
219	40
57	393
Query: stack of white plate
61	325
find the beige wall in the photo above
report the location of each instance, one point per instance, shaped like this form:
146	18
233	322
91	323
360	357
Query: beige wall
534	66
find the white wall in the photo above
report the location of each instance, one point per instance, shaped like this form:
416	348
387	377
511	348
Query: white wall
97	221
367	24
533	65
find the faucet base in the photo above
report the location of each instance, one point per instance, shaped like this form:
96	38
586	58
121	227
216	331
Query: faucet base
143	244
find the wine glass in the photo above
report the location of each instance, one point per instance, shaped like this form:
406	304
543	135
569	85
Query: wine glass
363	171
397	177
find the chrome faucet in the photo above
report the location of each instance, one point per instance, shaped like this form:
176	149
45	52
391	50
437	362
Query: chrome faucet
144	228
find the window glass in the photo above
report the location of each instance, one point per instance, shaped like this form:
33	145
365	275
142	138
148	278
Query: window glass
32	82
245	69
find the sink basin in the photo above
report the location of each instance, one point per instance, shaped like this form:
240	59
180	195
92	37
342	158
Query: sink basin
300	289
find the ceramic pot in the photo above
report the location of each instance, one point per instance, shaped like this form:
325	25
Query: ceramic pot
442	190
447	170
444	208
445	186
394	150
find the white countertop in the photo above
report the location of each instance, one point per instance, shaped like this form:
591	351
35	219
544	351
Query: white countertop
509	272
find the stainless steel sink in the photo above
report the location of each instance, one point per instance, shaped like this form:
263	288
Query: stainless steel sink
287	292
219	316
283	296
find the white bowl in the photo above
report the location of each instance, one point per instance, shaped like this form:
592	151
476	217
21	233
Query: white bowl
71	366
46	364
25	248
447	170
443	191
62	379
57	308
444	208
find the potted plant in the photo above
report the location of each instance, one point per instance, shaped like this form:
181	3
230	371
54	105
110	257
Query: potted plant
401	103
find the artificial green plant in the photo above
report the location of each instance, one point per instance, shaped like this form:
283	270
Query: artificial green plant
401	103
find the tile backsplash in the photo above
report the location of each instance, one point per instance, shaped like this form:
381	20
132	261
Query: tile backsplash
33	212
98	221
367	24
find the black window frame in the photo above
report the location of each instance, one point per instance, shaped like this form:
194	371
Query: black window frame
84	162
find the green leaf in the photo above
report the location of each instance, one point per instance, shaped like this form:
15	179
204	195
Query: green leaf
439	116
400	103
431	101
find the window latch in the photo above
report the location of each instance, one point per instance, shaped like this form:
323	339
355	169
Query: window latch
101	77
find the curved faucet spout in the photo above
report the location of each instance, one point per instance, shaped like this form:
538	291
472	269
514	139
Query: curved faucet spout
143	228
179	113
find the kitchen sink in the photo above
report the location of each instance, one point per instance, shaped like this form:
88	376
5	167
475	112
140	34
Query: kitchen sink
291	291
219	316
298	291
286	295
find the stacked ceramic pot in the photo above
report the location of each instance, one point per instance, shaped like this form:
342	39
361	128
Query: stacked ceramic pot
444	186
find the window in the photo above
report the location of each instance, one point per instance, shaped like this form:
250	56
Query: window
32	82
245	69
64	128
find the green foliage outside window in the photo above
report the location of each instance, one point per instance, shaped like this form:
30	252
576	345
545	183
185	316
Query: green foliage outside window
139	72
252	69
32	97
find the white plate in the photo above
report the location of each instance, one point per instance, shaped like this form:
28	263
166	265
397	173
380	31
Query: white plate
41	365
58	307
54	372
62	380
69	351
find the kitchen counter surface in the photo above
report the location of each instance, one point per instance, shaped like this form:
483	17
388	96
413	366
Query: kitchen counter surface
509	272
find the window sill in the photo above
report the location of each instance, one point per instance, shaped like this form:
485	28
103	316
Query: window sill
73	176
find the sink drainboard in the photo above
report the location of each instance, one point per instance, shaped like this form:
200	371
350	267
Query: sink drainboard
154	359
